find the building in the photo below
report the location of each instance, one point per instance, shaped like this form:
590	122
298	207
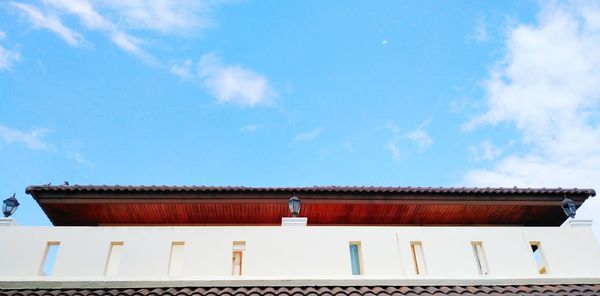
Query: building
198	240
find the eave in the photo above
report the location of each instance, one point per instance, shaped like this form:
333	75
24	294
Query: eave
89	205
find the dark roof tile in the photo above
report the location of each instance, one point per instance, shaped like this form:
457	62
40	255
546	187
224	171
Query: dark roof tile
542	290
316	189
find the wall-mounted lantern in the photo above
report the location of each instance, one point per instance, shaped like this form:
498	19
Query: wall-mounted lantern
9	206
568	207
294	205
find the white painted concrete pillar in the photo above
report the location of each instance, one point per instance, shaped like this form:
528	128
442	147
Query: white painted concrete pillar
294	221
7	222
579	222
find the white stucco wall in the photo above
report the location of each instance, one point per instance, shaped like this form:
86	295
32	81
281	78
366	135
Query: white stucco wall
297	252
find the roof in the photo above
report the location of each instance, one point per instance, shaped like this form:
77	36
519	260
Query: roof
541	290
323	189
89	205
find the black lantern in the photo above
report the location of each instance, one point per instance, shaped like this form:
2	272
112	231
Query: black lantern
9	206
569	207
294	205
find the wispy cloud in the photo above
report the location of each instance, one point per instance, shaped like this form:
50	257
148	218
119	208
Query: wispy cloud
480	35
309	135
130	44
458	105
7	57
548	87
94	20
418	136
72	150
115	18
33	140
251	128
166	16
392	147
229	84
76	156
485	151
51	22
183	69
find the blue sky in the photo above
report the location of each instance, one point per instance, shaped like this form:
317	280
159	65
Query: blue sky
282	93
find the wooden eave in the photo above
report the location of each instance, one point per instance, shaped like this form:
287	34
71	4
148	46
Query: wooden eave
172	205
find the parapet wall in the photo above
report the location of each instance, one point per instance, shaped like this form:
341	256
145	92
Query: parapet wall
296	253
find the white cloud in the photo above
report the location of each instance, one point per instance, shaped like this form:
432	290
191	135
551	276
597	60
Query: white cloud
183	70
392	146
130	44
234	84
51	22
251	128
33	139
481	33
229	84
72	150
7	57
393	127
94	20
486	151
114	18
458	105
168	16
84	10
419	136
309	135
76	156
548	87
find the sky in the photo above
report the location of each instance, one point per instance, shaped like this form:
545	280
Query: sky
299	93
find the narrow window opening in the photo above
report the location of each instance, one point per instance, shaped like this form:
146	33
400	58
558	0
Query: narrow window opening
418	258
114	258
49	258
538	255
176	258
355	258
480	258
238	256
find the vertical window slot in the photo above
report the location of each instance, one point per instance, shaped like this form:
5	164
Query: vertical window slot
49	258
176	258
238	256
114	258
480	258
418	258
539	257
355	258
